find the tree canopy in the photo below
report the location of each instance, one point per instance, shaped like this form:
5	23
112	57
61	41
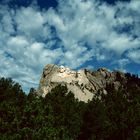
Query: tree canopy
59	116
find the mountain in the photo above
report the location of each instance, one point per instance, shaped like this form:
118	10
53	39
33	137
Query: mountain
82	83
113	113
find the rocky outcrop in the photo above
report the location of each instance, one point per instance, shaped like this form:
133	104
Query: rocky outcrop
83	83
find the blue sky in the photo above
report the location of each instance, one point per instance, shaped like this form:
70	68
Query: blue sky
74	33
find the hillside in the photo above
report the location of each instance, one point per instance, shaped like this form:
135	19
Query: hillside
84	83
60	116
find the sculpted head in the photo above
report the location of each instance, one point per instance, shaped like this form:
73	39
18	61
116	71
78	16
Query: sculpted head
62	69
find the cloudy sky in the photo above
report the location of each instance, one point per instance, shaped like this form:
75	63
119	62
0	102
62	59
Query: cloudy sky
73	33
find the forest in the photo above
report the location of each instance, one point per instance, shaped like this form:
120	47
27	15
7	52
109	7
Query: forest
59	116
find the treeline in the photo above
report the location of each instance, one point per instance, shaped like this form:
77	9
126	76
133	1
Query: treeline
59	116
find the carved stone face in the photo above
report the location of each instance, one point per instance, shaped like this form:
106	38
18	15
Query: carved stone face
62	69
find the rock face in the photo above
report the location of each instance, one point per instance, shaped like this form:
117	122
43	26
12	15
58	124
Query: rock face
82	83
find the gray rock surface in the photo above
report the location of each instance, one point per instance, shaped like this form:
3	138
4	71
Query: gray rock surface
83	83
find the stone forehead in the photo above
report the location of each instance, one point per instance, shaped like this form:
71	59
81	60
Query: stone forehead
62	66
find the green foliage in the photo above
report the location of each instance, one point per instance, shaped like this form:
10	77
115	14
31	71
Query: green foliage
59	116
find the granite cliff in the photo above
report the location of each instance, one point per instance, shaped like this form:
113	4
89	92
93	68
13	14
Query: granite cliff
83	83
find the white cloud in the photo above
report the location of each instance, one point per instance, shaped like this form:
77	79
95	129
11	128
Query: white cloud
54	20
84	23
121	43
73	34
134	56
17	41
29	20
122	64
